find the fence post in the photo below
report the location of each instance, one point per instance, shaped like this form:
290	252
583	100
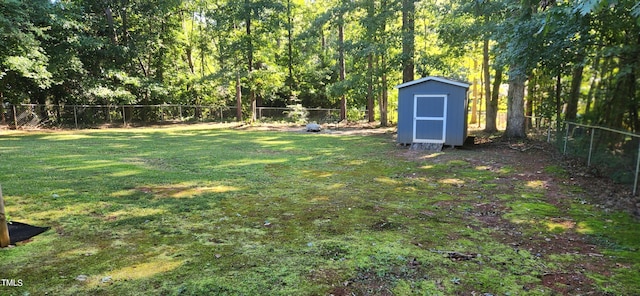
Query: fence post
549	134
75	116
593	131
635	182
566	138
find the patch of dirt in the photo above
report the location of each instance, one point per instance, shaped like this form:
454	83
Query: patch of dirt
566	283
342	128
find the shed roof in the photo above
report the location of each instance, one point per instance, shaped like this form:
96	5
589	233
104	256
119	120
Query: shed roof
434	78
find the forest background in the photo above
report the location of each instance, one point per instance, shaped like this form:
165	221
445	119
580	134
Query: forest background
567	60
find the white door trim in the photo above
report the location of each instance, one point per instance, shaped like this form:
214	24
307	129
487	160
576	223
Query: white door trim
416	118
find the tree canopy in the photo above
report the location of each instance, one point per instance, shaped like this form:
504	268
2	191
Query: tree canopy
574	60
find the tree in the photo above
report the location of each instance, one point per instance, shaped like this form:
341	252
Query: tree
408	39
374	49
470	25
518	48
617	32
341	62
23	60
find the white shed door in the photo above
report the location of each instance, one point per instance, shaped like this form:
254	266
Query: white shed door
429	118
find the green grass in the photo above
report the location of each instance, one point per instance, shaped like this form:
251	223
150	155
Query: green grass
204	211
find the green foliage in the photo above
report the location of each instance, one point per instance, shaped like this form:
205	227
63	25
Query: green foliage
109	96
31	67
23	61
355	114
190	52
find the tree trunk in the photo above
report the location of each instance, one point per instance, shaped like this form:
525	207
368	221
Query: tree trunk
515	104
558	96
384	98
528	106
492	104
384	121
112	28
603	88
474	102
2	111
370	97
290	80
481	95
574	93
188	51
620	100
341	62
593	85
252	93
489	126
408	39
238	97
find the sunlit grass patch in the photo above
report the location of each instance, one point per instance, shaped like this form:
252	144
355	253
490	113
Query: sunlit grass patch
184	191
559	225
147	269
387	181
66	136
317	174
451	181
584	228
536	184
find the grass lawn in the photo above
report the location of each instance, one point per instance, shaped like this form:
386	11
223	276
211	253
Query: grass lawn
207	211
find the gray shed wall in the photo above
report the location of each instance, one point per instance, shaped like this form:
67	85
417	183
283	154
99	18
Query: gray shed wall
456	130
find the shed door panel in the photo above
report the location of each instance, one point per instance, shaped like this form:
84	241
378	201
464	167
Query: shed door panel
429	118
429	129
430	107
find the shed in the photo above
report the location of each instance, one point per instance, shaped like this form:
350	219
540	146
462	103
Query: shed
432	110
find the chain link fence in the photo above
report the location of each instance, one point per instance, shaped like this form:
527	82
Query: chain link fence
608	152
83	116
605	151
